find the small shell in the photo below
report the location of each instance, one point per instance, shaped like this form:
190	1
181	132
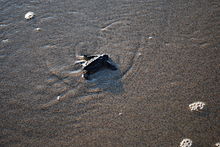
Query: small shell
196	106
37	29
58	98
186	142
29	15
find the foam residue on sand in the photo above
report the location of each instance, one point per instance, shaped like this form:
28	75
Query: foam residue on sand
29	15
186	142
196	106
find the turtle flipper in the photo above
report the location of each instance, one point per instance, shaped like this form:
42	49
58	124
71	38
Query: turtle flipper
87	58
86	75
80	62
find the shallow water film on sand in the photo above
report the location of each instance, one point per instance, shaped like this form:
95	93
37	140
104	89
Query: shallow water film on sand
167	58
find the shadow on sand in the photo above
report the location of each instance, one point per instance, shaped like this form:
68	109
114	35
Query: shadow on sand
107	80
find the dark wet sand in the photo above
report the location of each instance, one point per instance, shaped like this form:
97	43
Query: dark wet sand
168	57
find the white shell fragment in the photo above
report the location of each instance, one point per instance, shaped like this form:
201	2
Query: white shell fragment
58	98
29	15
196	106
217	144
37	29
186	142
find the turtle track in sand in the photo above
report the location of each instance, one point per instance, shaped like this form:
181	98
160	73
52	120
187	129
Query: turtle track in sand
124	48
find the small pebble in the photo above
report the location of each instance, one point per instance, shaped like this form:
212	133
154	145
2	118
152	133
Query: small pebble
196	106
150	37
217	144
186	142
119	113
38	29
58	98
139	54
29	15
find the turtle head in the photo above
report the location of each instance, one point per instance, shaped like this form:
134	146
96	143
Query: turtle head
105	57
87	58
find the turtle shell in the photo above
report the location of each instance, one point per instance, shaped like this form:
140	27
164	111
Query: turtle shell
95	63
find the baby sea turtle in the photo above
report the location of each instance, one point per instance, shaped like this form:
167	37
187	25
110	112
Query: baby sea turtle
91	64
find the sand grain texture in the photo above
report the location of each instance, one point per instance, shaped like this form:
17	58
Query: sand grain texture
168	57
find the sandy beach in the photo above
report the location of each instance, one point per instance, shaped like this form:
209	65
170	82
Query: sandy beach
167	55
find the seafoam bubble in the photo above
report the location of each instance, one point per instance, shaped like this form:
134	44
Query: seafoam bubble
29	15
217	144
196	106
5	41
3	25
186	142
